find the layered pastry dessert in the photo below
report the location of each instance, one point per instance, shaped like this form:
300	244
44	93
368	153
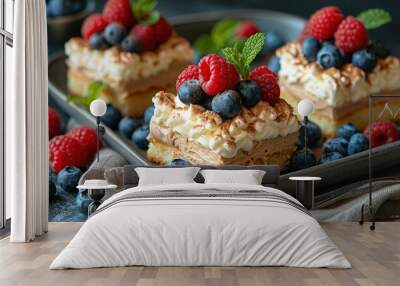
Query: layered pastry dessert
336	66
221	117
130	49
263	134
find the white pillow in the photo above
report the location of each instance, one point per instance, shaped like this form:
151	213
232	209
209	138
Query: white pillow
166	176
248	177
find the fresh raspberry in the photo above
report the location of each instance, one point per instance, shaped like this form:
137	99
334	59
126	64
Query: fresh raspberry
59	161
216	74
66	151
247	29
54	123
382	132
324	23
119	11
351	35
268	81
93	24
191	72
87	137
146	35
162	30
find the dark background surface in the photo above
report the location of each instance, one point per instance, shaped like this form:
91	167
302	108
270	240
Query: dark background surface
388	34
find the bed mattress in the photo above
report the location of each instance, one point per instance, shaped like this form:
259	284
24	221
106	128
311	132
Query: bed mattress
201	225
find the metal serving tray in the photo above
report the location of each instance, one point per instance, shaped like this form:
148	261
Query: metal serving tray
334	174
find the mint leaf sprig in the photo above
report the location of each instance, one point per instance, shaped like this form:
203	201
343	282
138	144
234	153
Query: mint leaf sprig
374	18
93	92
243	54
221	35
144	11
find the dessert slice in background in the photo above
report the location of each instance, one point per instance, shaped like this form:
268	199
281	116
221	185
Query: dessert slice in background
132	50
224	114
336	66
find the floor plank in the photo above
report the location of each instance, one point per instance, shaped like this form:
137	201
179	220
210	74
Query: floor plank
375	257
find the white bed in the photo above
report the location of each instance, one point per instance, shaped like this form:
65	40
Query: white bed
224	225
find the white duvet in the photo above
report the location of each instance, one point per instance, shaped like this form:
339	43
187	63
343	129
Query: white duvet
200	231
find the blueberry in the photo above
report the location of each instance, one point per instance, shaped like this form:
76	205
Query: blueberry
115	33
128	125
331	156
274	64
378	49
112	117
98	42
329	56
364	60
227	104
207	103
190	92
314	134
197	57
336	145
310	48
273	41
148	114
358	142
346	57
250	92
52	190
83	202
139	137
178	162
68	178
346	131
302	158
131	44
58	8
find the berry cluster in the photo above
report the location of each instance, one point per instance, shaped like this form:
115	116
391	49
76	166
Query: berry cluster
68	154
224	84
133	28
216	84
349	141
332	40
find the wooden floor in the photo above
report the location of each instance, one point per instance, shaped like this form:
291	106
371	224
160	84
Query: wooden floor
375	257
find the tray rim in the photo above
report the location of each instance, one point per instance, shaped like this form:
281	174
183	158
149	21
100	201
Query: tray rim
231	13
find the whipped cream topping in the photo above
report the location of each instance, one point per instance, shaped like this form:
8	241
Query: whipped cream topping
337	87
117	66
224	137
